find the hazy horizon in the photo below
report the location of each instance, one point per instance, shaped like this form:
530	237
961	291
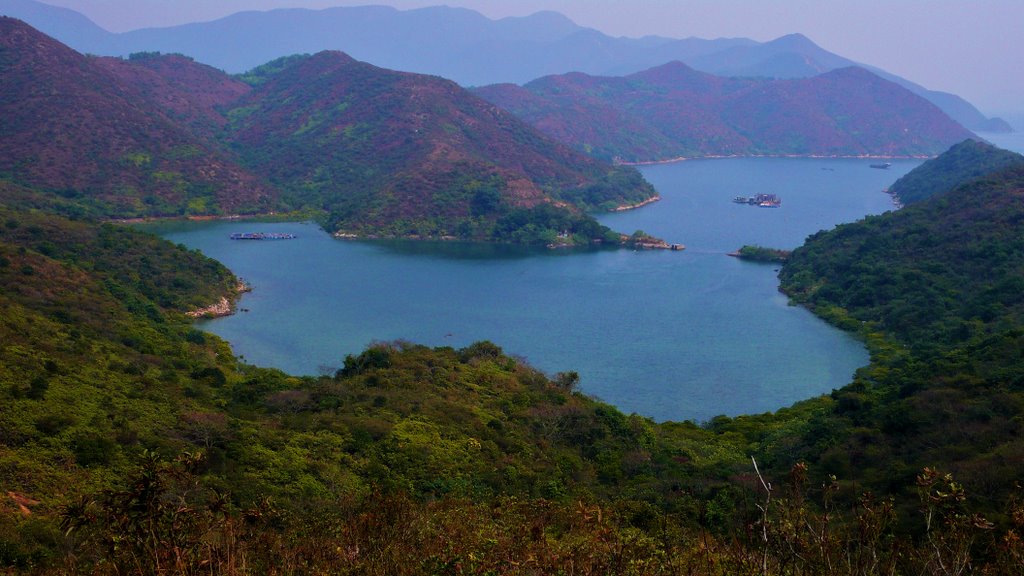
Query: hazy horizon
955	46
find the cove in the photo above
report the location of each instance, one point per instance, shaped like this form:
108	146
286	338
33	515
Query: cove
669	335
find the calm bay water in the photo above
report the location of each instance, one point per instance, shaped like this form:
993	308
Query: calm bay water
669	335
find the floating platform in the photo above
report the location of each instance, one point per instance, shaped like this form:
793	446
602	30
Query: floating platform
762	200
263	236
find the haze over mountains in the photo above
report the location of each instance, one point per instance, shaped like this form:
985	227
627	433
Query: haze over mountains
465	46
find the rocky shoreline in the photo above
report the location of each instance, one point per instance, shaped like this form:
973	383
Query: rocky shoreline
650	200
224	307
814	156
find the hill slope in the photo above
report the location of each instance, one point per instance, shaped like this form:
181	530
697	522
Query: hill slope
675	111
409	154
935	287
77	126
377	152
964	162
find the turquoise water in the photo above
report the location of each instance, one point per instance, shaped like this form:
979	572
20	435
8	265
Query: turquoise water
669	335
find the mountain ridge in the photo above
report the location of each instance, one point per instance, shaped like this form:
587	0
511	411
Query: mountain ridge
479	52
961	164
75	126
675	111
373	151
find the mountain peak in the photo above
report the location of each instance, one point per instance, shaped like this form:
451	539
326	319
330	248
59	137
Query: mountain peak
15	33
668	70
794	41
332	57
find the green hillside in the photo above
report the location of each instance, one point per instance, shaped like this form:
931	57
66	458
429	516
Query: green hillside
964	162
936	289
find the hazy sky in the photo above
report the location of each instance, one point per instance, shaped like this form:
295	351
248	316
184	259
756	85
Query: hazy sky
968	47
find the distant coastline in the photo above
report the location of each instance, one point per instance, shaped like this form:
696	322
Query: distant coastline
204	218
814	156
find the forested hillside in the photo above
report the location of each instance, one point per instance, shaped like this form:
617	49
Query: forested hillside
963	163
936	289
391	153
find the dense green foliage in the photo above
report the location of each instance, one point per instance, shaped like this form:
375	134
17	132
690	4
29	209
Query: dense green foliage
964	162
936	290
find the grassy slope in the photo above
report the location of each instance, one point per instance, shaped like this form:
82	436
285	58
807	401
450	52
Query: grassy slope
100	133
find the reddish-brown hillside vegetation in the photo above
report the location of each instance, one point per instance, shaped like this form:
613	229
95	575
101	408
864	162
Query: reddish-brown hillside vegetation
376	146
673	111
76	126
185	90
375	151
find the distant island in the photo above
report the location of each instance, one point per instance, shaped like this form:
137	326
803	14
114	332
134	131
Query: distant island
761	254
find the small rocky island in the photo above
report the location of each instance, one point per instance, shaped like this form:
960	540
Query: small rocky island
761	254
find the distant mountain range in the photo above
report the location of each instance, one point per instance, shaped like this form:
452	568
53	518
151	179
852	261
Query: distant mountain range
377	151
675	111
463	45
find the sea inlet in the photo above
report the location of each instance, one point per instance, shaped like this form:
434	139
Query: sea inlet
669	335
